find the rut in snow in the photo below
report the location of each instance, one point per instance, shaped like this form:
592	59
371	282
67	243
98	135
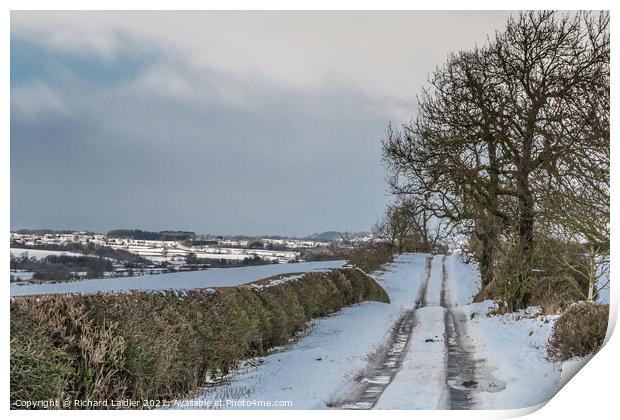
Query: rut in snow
461	378
376	379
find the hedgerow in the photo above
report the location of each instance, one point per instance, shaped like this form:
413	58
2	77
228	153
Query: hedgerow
147	345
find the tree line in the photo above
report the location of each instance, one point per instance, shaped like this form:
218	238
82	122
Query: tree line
144	235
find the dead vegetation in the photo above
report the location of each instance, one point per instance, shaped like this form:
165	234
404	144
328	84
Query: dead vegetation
144	345
579	331
370	256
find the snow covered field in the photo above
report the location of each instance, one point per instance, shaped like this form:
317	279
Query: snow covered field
22	275
603	288
158	251
322	368
214	277
40	253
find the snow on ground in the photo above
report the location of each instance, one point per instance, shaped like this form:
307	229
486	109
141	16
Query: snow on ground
464	280
515	371
22	275
213	277
433	293
278	281
571	367
40	253
421	382
603	284
321	366
515	349
513	346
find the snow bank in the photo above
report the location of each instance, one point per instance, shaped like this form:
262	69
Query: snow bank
514	348
464	280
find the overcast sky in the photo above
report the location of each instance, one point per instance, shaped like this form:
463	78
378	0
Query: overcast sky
216	122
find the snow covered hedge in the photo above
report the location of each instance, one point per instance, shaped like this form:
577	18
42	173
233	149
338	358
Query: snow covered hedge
146	345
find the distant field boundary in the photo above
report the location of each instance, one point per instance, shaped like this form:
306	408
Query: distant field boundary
162	346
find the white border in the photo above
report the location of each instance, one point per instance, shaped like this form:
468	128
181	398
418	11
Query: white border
591	395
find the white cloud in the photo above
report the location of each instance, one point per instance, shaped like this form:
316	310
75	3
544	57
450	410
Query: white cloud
386	55
163	80
36	101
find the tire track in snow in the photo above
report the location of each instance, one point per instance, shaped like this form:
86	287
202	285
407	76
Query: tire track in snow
369	387
461	379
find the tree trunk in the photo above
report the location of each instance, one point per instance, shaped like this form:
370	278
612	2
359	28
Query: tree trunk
592	273
486	260
490	235
526	239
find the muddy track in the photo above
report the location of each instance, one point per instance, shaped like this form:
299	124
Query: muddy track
374	380
461	379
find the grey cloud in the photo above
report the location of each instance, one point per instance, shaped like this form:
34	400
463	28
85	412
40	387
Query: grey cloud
236	123
291	164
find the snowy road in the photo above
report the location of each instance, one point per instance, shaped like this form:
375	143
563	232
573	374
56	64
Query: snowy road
431	348
386	364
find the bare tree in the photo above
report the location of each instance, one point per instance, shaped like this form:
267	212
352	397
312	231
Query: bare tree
406	222
504	128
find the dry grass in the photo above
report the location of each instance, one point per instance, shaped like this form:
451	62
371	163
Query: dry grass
370	256
579	331
554	293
